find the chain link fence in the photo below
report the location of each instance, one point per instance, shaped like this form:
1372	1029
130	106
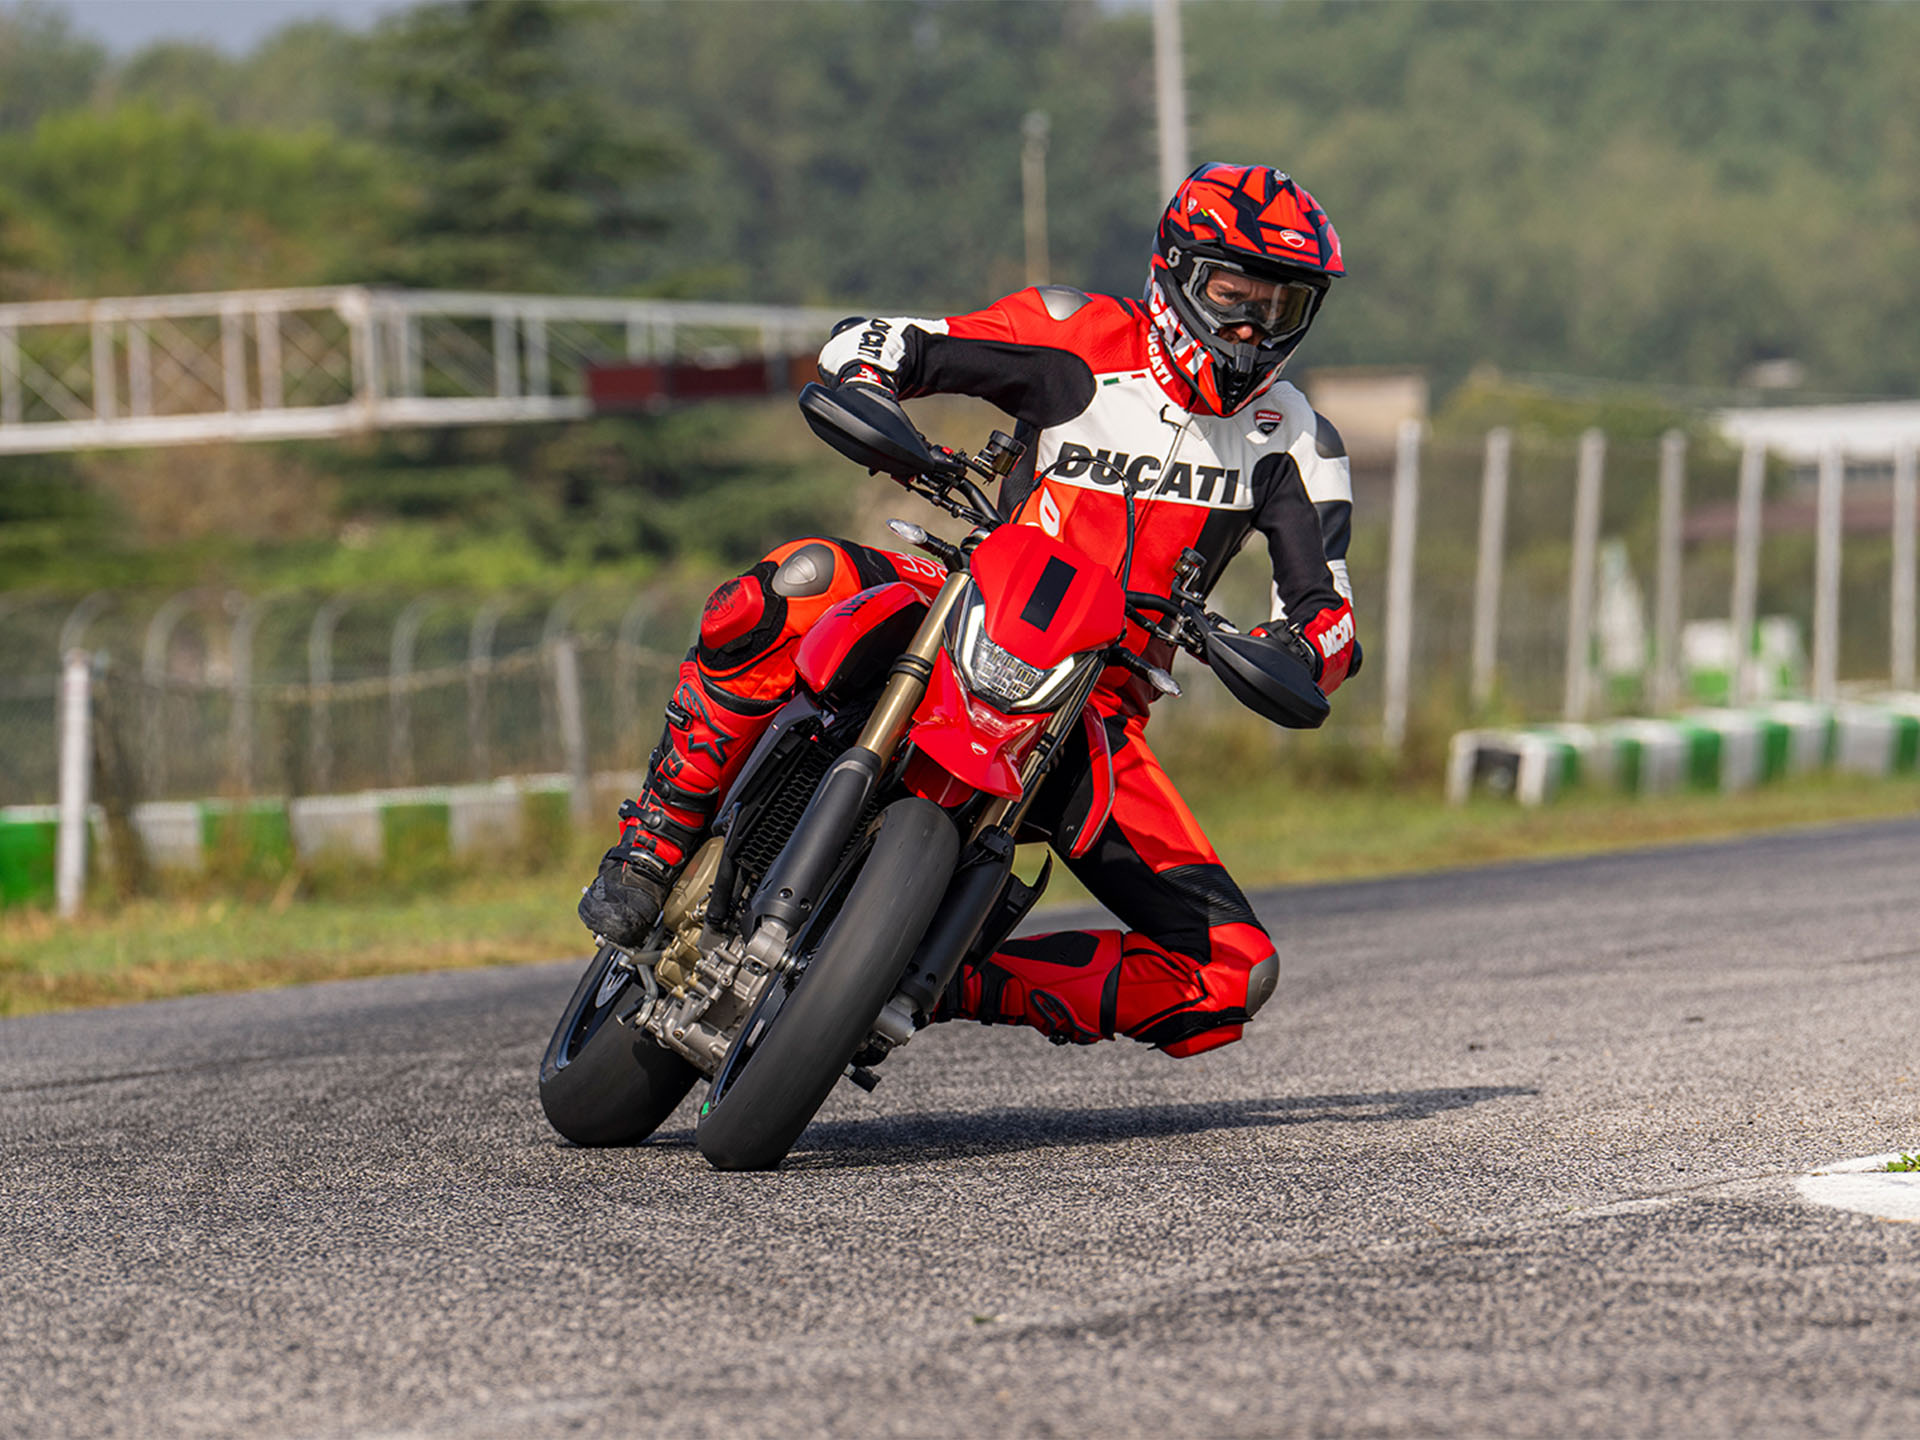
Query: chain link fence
212	693
202	694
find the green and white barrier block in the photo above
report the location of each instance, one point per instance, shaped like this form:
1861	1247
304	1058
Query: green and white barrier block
340	827
1877	738
173	834
1739	737
1650	756
1808	740
482	818
1531	765
1711	749
27	837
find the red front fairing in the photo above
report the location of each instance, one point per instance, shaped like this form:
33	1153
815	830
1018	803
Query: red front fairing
1045	600
969	738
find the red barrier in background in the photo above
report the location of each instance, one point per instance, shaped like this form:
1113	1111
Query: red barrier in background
654	385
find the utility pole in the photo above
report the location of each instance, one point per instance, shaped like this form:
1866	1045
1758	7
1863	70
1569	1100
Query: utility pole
1033	192
1170	94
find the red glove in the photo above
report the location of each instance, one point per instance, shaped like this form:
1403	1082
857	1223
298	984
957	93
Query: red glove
1330	633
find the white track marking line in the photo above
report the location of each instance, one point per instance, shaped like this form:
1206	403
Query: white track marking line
1866	1186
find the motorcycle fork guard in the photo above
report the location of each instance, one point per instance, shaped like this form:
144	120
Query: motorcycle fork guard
969	904
1016	900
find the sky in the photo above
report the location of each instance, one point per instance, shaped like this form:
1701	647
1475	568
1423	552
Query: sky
235	26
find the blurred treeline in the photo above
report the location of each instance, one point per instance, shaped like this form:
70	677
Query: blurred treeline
1648	193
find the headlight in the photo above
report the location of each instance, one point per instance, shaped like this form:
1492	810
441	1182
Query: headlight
991	672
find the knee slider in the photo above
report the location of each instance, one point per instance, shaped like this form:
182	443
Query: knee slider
1261	981
806	572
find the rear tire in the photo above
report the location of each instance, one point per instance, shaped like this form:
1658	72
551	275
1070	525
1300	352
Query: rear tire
601	1082
763	1104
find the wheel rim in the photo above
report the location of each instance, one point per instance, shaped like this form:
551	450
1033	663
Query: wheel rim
614	980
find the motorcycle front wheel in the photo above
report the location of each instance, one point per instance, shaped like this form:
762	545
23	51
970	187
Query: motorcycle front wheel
800	1040
601	1081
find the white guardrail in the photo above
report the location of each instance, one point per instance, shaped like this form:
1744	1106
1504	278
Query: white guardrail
309	363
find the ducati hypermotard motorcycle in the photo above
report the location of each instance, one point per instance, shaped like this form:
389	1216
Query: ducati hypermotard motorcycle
865	851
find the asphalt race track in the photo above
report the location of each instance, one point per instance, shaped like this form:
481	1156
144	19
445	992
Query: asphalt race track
1511	1153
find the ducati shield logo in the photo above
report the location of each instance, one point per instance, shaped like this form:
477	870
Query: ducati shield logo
1266	421
1049	514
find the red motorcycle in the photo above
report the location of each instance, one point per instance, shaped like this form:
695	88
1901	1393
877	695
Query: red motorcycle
865	852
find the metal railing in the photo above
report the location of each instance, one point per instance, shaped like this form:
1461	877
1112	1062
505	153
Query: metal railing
309	363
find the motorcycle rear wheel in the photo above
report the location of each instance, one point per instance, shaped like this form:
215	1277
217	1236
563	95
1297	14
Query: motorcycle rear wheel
603	1082
759	1107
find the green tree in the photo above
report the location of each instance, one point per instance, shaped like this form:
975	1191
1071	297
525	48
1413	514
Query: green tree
1664	192
869	155
525	180
44	66
133	199
304	76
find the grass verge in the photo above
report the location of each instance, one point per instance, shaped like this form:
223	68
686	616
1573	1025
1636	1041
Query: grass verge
1269	834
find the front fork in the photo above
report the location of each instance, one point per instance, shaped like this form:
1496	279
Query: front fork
979	882
794	881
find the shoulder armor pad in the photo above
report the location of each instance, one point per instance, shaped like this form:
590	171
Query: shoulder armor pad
1326	440
1061	300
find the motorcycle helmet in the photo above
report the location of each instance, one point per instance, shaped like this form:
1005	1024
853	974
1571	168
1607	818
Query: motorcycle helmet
1238	245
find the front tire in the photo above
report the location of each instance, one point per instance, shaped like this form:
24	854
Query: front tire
760	1106
603	1082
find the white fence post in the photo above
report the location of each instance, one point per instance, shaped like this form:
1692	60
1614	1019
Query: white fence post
573	727
479	665
1746	569
76	776
1586	544
1400	545
1493	542
1906	521
1666	599
399	690
1826	575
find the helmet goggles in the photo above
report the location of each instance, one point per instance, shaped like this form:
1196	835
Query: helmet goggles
1225	295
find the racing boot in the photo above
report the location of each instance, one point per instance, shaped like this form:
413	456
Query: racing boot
700	751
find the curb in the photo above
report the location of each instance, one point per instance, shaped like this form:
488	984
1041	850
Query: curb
1711	750
372	827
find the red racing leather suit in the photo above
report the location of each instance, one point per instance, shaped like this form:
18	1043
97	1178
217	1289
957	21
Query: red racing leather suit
1088	389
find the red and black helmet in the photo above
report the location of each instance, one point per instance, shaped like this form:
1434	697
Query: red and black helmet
1238	245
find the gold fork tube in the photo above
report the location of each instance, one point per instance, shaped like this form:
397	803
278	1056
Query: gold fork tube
907	685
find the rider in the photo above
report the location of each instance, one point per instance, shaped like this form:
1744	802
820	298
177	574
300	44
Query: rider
1181	399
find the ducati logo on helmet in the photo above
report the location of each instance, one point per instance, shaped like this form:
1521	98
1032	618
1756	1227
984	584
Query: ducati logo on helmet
1293	238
